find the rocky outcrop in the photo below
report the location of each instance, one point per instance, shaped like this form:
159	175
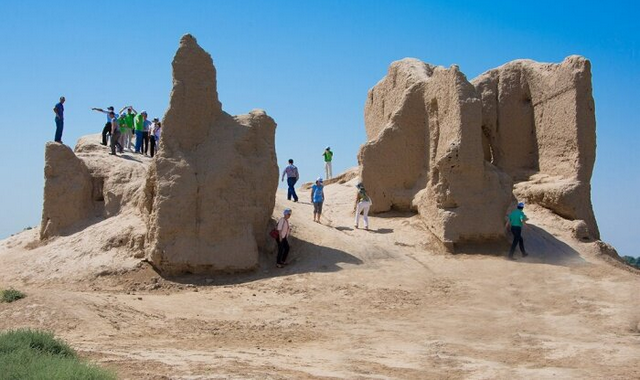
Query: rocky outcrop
67	192
452	150
211	189
539	126
201	205
425	153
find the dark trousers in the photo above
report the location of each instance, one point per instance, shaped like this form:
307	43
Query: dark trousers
145	142
517	239
59	128
283	251
115	141
291	192
106	131
152	141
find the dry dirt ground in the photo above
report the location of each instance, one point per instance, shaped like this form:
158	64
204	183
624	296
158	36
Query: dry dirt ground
387	303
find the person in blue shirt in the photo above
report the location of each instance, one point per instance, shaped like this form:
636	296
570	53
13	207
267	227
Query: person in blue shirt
317	198
517	219
58	109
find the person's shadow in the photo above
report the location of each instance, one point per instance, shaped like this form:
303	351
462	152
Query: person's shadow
542	247
304	257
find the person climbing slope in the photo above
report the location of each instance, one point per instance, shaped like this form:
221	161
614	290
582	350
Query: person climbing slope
363	203
292	174
317	198
517	220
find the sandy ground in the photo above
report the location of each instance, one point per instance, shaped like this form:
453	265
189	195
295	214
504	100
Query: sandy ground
386	303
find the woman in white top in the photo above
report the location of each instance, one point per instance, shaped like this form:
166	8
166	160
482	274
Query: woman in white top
156	130
283	233
363	203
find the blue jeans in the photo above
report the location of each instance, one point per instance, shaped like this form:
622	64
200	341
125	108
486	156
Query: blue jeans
138	141
517	240
291	192
59	127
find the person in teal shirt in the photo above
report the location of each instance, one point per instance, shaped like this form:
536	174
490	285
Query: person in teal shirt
517	219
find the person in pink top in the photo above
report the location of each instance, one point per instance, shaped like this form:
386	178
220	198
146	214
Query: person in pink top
284	229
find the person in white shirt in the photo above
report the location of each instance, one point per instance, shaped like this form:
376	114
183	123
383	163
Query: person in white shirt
156	130
284	229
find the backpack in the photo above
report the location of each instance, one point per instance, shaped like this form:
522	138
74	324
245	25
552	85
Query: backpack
274	233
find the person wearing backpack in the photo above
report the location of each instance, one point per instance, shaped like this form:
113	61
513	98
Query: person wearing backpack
328	157
292	174
284	229
363	203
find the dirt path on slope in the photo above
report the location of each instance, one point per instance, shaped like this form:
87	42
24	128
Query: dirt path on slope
353	304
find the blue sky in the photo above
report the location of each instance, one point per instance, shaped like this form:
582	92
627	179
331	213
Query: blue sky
309	65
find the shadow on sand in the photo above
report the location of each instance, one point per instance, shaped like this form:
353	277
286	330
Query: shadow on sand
304	257
542	247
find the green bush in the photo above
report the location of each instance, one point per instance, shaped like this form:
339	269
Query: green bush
30	354
11	295
633	261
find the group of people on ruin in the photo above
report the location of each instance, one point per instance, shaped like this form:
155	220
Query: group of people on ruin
120	128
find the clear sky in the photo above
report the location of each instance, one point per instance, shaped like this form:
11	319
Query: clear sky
309	65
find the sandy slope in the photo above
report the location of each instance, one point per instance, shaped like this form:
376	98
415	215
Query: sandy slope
385	303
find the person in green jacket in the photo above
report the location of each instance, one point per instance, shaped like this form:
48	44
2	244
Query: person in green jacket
139	123
127	126
517	219
328	157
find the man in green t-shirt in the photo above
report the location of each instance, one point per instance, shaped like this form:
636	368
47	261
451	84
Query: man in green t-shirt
126	126
517	219
328	156
139	122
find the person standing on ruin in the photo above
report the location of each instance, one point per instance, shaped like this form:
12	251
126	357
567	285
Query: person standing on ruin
328	157
58	109
107	127
139	122
363	203
115	133
156	130
317	198
517	220
292	174
284	229
145	136
127	126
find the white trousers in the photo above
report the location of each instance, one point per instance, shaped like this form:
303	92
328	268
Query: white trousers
126	139
327	170
363	207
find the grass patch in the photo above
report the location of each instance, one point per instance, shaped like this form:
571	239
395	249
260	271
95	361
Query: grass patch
31	354
11	295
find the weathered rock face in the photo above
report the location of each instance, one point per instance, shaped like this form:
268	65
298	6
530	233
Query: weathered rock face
67	191
425	153
211	189
84	186
452	150
538	126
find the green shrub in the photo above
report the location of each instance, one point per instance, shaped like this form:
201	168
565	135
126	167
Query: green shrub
30	354
11	295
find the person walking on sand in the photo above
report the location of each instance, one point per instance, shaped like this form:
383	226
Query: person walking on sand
328	157
127	126
317	198
363	203
292	174
284	229
517	220
115	133
58	109
107	127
